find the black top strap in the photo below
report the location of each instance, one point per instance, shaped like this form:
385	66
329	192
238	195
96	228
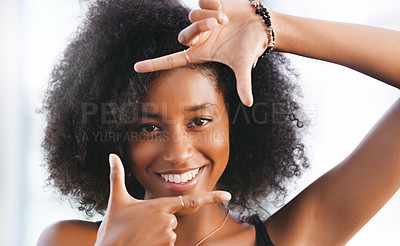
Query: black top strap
262	236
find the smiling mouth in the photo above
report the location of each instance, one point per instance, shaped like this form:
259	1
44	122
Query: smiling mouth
180	178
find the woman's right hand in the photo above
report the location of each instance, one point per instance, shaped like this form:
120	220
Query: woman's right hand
225	31
129	221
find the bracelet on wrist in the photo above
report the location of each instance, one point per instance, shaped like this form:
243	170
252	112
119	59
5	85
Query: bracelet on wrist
262	11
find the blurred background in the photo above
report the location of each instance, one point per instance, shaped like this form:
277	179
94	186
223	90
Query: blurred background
342	104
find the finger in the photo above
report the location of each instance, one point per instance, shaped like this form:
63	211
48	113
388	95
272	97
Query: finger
166	237
243	84
200	14
162	63
172	222
210	4
187	35
117	179
194	201
171	237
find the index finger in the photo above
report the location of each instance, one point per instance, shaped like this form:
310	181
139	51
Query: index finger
178	59
194	201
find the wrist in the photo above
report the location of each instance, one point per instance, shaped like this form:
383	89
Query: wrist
278	20
262	11
294	35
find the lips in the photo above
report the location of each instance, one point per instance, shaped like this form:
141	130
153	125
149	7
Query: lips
180	178
180	181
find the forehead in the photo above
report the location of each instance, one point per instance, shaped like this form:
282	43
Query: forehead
184	88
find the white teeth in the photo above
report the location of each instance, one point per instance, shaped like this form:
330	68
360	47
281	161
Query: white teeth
177	178
180	178
184	178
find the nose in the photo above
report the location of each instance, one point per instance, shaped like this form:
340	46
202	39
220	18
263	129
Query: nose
178	149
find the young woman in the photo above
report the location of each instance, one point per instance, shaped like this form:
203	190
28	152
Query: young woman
182	137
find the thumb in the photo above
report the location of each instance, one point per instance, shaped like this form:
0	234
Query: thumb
243	83
117	179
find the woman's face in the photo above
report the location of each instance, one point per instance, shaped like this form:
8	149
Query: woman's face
181	139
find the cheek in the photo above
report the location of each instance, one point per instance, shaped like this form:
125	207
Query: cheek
221	141
219	145
143	154
216	146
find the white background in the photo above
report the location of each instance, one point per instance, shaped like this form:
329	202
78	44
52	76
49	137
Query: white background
344	105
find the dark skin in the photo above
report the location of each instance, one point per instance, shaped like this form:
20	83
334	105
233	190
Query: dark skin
197	125
328	212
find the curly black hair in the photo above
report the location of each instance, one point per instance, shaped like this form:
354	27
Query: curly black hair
95	75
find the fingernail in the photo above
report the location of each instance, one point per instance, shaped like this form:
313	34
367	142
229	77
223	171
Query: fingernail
137	66
250	103
226	196
181	39
111	160
225	19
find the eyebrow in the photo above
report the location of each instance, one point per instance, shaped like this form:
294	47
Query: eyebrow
194	108
187	109
143	114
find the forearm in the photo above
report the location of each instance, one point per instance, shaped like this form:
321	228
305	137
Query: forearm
372	51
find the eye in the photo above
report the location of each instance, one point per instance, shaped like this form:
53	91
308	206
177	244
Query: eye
200	121
148	128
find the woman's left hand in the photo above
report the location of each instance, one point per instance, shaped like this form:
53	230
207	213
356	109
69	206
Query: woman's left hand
225	31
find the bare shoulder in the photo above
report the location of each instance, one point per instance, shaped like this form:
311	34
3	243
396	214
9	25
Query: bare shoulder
69	232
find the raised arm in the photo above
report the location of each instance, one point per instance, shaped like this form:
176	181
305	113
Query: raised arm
370	50
228	31
332	209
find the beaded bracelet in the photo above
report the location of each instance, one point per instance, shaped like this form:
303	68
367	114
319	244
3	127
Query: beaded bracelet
262	11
